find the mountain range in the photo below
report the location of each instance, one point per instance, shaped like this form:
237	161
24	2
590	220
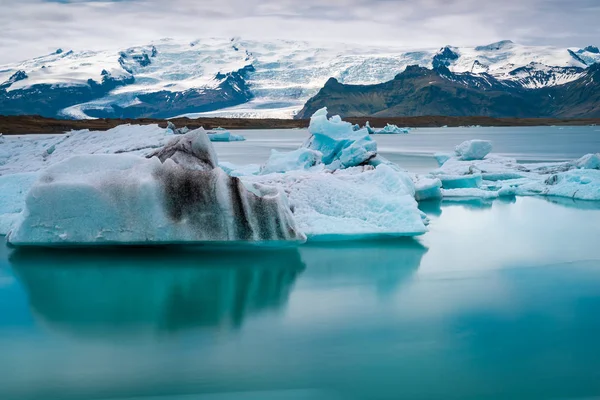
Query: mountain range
419	91
241	78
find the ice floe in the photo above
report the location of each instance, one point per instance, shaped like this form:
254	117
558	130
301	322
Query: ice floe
473	172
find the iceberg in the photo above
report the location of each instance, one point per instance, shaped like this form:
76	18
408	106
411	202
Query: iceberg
473	150
222	135
281	162
393	130
340	145
177	195
349	203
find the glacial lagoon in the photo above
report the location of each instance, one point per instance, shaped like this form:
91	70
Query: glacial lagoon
499	300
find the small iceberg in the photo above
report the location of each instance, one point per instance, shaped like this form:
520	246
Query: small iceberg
473	150
392	130
222	135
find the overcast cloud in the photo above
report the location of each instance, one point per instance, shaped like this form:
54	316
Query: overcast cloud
33	27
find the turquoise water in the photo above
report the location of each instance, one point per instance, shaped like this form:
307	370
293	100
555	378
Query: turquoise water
498	301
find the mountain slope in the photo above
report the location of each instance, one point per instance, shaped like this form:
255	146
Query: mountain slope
235	77
420	91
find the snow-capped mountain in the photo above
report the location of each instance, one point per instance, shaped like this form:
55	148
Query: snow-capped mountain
235	77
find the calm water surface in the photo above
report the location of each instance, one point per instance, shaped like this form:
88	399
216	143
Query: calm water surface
498	301
415	151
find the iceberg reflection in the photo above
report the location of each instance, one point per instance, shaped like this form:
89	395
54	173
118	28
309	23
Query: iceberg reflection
153	290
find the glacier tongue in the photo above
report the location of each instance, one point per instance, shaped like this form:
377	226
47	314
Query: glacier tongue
126	199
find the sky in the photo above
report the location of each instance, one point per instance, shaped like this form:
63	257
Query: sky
31	28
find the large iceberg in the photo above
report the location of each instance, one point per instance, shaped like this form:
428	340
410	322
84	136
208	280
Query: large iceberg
178	195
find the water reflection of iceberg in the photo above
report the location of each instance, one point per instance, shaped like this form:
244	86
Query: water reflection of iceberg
382	264
145	290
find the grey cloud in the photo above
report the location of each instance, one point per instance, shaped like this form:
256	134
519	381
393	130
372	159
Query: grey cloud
34	27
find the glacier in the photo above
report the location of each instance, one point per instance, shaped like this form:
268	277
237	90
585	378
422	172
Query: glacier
286	73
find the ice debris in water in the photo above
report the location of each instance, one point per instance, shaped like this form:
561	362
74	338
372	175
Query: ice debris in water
178	195
487	176
392	129
473	149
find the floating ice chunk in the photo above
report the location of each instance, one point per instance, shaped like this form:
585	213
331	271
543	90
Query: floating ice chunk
392	129
589	161
301	158
222	135
350	203
473	149
460	181
125	199
427	188
341	146
581	184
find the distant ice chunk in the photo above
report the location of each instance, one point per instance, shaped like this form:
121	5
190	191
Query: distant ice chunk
222	135
473	149
350	203
341	146
392	129
301	158
369	129
176	196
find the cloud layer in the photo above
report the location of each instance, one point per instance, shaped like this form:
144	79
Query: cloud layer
34	27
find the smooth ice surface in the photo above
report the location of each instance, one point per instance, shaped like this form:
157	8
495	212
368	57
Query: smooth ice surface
355	202
473	150
391	129
177	196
